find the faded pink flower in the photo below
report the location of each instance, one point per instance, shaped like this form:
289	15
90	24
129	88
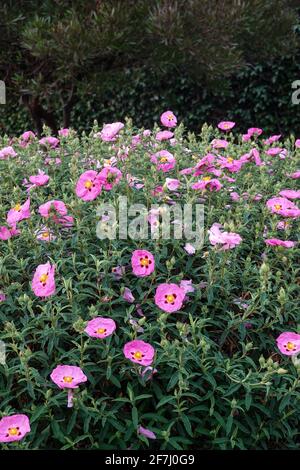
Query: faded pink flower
187	286
110	131
289	343
88	186
219	144
139	352
14	427
51	142
295	175
2	296
207	183
282	206
290	194
64	132
164	135
230	164
128	296
226	125
277	242
227	240
18	213
7	152
100	327
146	432
43	282
190	249
26	138
53	207
297	143
272	139
109	177
172	184
168	119
169	297
274	151
164	160
142	262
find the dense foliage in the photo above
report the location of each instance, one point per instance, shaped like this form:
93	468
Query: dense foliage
221	382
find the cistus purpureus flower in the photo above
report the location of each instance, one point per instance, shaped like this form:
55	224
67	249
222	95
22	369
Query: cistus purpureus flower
43	282
164	135
53	207
289	343
169	297
226	125
40	179
51	142
14	427
172	184
142	262
110	131
68	377
109	176
2	296
45	235
139	352
146	432
128	296
282	206
88	186
64	132
18	213
190	249
290	194
226	240
7	152
213	184
168	119
277	242
100	327
164	160
219	144
26	138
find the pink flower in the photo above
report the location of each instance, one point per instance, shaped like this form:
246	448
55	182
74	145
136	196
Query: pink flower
254	131
274	151
5	233
290	194
190	249
169	297
168	119
2	296
64	132
282	206
187	286
234	196
110	131
26	138
139	352
7	152
226	125
282	225
297	143
164	160
142	262
100	327
272	139
228	240
219	144
51	142
14	427
68	376
164	135
289	343
43	282
231	164
45	235
207	182
277	242
146	432
18	213
295	175
172	184
109	177
118	272
252	155
40	179
88	186
128	296
53	207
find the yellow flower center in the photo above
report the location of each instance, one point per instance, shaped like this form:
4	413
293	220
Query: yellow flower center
144	262
229	159
290	346
206	178
170	117
17	207
68	379
170	298
137	355
100	331
43	278
226	126
108	162
88	184
278	207
13	431
45	234
163	160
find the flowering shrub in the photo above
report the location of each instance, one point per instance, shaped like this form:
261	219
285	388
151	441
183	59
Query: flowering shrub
120	342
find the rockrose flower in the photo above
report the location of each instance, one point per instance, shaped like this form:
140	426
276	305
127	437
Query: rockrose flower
230	164
139	352
282	206
146	432
128	296
227	240
274	151
277	242
64	132
100	327
2	296
226	125
289	343
290	194
6	153
169	297
297	143
168	119
164	135
18	213
14	427
45	235
43	282
109	177
51	142
172	184
88	186
68	377
26	138
164	160
142	262
213	184
110	131
36	180
272	139
295	175
219	144
53	207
